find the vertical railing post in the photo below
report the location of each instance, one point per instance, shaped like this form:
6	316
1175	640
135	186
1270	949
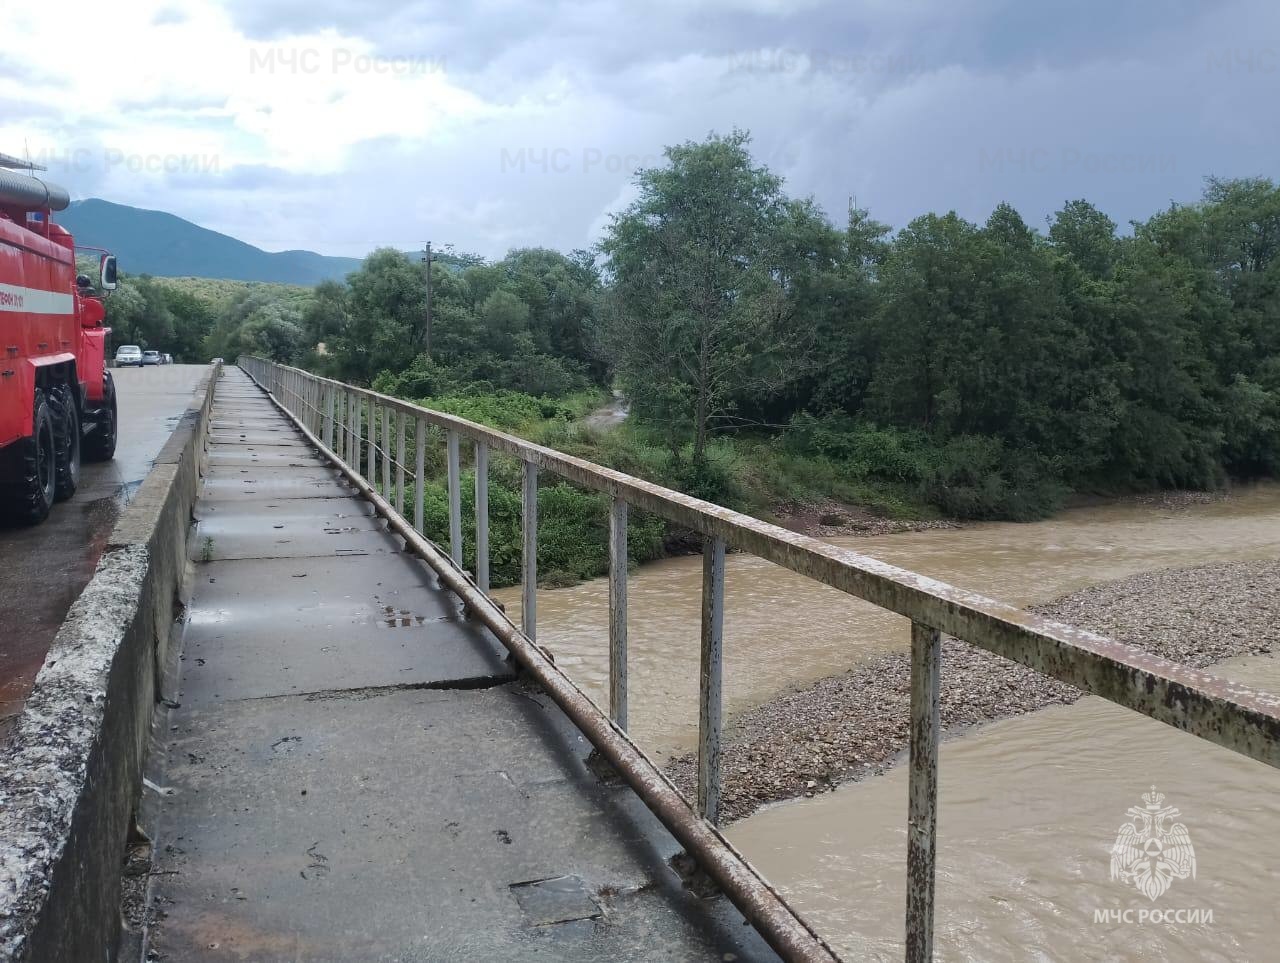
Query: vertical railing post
618	612
482	517
346	426
353	431
709	695
371	450
922	790
419	488
356	407
401	417
529	594
340	423
455	499
328	393
386	453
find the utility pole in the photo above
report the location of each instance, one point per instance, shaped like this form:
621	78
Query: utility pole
426	259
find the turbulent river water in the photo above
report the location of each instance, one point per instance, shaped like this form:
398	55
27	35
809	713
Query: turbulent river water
782	629
1029	807
1028	811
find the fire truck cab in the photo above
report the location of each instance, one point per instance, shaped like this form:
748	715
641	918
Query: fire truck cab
57	400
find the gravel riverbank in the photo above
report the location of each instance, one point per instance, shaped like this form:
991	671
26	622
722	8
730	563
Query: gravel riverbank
855	725
828	519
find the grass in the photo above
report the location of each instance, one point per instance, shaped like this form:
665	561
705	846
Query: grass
754	474
773	475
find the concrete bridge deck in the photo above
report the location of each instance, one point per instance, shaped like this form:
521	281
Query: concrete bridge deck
353	770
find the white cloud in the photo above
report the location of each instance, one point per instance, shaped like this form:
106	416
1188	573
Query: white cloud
340	127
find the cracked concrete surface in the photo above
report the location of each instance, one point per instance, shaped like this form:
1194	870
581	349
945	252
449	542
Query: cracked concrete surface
353	771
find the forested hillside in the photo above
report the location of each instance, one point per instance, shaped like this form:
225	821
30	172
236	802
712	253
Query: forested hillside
981	370
162	244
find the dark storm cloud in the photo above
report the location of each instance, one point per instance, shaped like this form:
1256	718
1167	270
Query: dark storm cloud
909	106
987	34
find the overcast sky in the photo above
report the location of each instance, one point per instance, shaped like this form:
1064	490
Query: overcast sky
340	126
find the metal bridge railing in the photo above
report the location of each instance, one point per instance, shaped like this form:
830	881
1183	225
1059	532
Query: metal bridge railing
344	418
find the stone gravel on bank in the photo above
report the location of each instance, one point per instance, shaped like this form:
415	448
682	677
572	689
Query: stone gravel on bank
853	725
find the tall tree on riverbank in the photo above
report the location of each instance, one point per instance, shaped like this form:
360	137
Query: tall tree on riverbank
704	265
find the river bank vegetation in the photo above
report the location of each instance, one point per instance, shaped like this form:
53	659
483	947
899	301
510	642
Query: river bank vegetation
972	370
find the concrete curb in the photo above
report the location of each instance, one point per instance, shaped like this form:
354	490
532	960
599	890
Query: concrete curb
71	770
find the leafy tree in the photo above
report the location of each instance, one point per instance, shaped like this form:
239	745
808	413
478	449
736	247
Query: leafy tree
1087	236
703	266
986	369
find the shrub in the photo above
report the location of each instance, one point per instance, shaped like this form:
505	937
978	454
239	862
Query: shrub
862	449
572	531
978	477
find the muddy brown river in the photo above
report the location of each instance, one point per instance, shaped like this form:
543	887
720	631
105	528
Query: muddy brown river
782	629
1028	810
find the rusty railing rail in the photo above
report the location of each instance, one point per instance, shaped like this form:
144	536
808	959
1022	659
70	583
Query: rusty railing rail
342	418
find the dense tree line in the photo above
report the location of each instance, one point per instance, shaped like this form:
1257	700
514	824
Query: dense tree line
195	319
992	365
522	323
987	368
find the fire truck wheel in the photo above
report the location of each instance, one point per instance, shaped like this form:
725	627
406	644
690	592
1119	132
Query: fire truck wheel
66	434
29	495
100	443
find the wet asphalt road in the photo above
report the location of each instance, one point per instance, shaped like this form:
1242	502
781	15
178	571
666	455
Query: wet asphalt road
44	568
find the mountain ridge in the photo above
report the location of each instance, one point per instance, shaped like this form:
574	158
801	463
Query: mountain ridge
166	245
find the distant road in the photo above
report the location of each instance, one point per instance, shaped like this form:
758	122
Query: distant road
609	416
43	569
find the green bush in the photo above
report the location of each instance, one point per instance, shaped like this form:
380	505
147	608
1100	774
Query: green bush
511	411
862	449
573	534
977	477
968	476
421	379
484	372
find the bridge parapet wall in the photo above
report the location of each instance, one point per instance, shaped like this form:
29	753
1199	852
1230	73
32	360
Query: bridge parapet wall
71	769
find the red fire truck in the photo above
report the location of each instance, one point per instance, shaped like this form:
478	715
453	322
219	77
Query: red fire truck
57	400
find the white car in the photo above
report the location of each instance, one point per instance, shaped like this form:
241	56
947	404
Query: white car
128	354
150	357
